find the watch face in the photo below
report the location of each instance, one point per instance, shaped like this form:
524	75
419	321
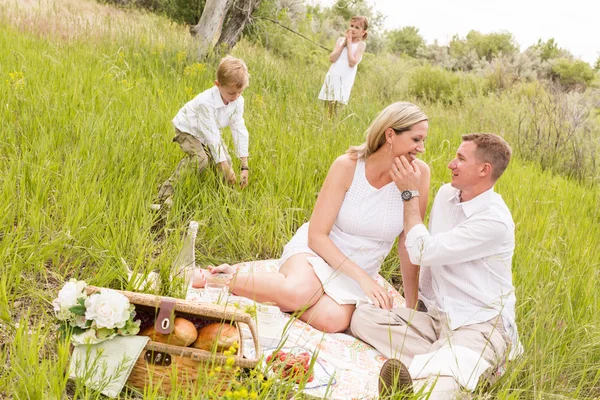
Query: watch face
406	195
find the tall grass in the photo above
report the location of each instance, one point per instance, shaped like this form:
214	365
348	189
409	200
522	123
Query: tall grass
86	141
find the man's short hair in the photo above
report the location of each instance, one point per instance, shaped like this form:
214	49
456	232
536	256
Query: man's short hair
233	72
492	149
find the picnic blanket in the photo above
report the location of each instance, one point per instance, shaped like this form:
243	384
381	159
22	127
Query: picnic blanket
345	367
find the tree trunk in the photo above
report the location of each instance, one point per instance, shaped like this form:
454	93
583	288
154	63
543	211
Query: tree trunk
209	25
239	14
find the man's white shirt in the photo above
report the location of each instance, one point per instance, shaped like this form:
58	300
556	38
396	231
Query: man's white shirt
466	260
206	115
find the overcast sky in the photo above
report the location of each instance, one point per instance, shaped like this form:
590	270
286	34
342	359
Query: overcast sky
574	24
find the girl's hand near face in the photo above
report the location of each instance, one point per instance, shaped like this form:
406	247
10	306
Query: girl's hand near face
348	37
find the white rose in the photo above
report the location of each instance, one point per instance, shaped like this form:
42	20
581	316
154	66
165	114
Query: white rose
79	321
68	295
86	337
108	309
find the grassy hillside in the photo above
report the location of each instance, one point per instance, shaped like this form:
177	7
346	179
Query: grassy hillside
87	99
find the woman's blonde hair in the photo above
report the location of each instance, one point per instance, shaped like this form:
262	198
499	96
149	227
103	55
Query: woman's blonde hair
361	19
400	116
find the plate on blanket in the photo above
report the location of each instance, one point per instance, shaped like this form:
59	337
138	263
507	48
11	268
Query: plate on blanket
323	374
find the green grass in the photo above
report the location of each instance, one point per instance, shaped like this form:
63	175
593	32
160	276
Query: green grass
87	140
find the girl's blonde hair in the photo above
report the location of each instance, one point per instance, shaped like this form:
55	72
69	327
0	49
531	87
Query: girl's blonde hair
361	19
400	116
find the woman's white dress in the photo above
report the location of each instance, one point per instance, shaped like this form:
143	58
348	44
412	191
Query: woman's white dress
340	78
367	224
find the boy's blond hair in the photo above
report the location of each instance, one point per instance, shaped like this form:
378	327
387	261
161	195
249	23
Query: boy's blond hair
233	72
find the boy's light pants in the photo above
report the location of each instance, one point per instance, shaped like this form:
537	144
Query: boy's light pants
439	360
197	155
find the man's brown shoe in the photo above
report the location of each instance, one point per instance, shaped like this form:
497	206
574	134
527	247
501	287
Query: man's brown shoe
394	379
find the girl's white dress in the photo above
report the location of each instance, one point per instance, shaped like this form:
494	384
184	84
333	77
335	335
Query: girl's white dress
367	224
340	78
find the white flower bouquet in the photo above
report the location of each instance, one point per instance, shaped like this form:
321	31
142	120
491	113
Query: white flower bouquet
96	318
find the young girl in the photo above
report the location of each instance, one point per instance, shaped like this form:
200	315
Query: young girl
344	58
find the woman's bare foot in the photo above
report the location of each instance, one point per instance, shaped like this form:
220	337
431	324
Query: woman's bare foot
221	274
222	269
198	278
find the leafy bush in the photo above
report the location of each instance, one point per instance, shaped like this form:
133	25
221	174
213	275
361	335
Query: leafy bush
503	72
439	85
405	41
555	130
486	46
548	49
572	74
182	11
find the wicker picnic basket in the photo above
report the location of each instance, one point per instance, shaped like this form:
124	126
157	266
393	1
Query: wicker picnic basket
160	363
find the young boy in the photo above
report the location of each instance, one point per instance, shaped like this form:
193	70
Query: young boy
199	122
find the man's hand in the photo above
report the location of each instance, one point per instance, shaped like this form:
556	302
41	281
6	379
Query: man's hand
406	175
244	178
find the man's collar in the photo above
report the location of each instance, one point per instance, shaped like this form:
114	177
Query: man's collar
217	97
473	205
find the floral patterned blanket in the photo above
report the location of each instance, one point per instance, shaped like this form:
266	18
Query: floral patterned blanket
345	368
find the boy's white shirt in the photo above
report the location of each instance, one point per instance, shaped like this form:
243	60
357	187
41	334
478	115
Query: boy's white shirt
206	115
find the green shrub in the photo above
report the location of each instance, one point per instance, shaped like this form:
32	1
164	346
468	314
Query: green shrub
548	49
439	85
572	74
503	72
405	41
487	46
182	11
555	130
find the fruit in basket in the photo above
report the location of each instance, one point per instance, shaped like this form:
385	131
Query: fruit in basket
184	333
221	335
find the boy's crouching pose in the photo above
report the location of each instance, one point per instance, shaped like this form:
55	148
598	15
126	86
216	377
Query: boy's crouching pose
199	122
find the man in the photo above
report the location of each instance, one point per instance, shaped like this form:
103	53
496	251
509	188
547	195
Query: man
465	327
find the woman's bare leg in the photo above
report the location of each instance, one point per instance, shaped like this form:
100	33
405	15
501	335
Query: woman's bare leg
329	316
294	287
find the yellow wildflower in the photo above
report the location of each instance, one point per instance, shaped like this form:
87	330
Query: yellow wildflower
17	79
194	69
241	394
181	56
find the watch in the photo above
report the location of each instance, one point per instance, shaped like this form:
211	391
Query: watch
409	194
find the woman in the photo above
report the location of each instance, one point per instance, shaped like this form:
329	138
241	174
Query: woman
330	264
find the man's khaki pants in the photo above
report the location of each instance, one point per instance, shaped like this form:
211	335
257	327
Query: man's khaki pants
197	156
440	360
